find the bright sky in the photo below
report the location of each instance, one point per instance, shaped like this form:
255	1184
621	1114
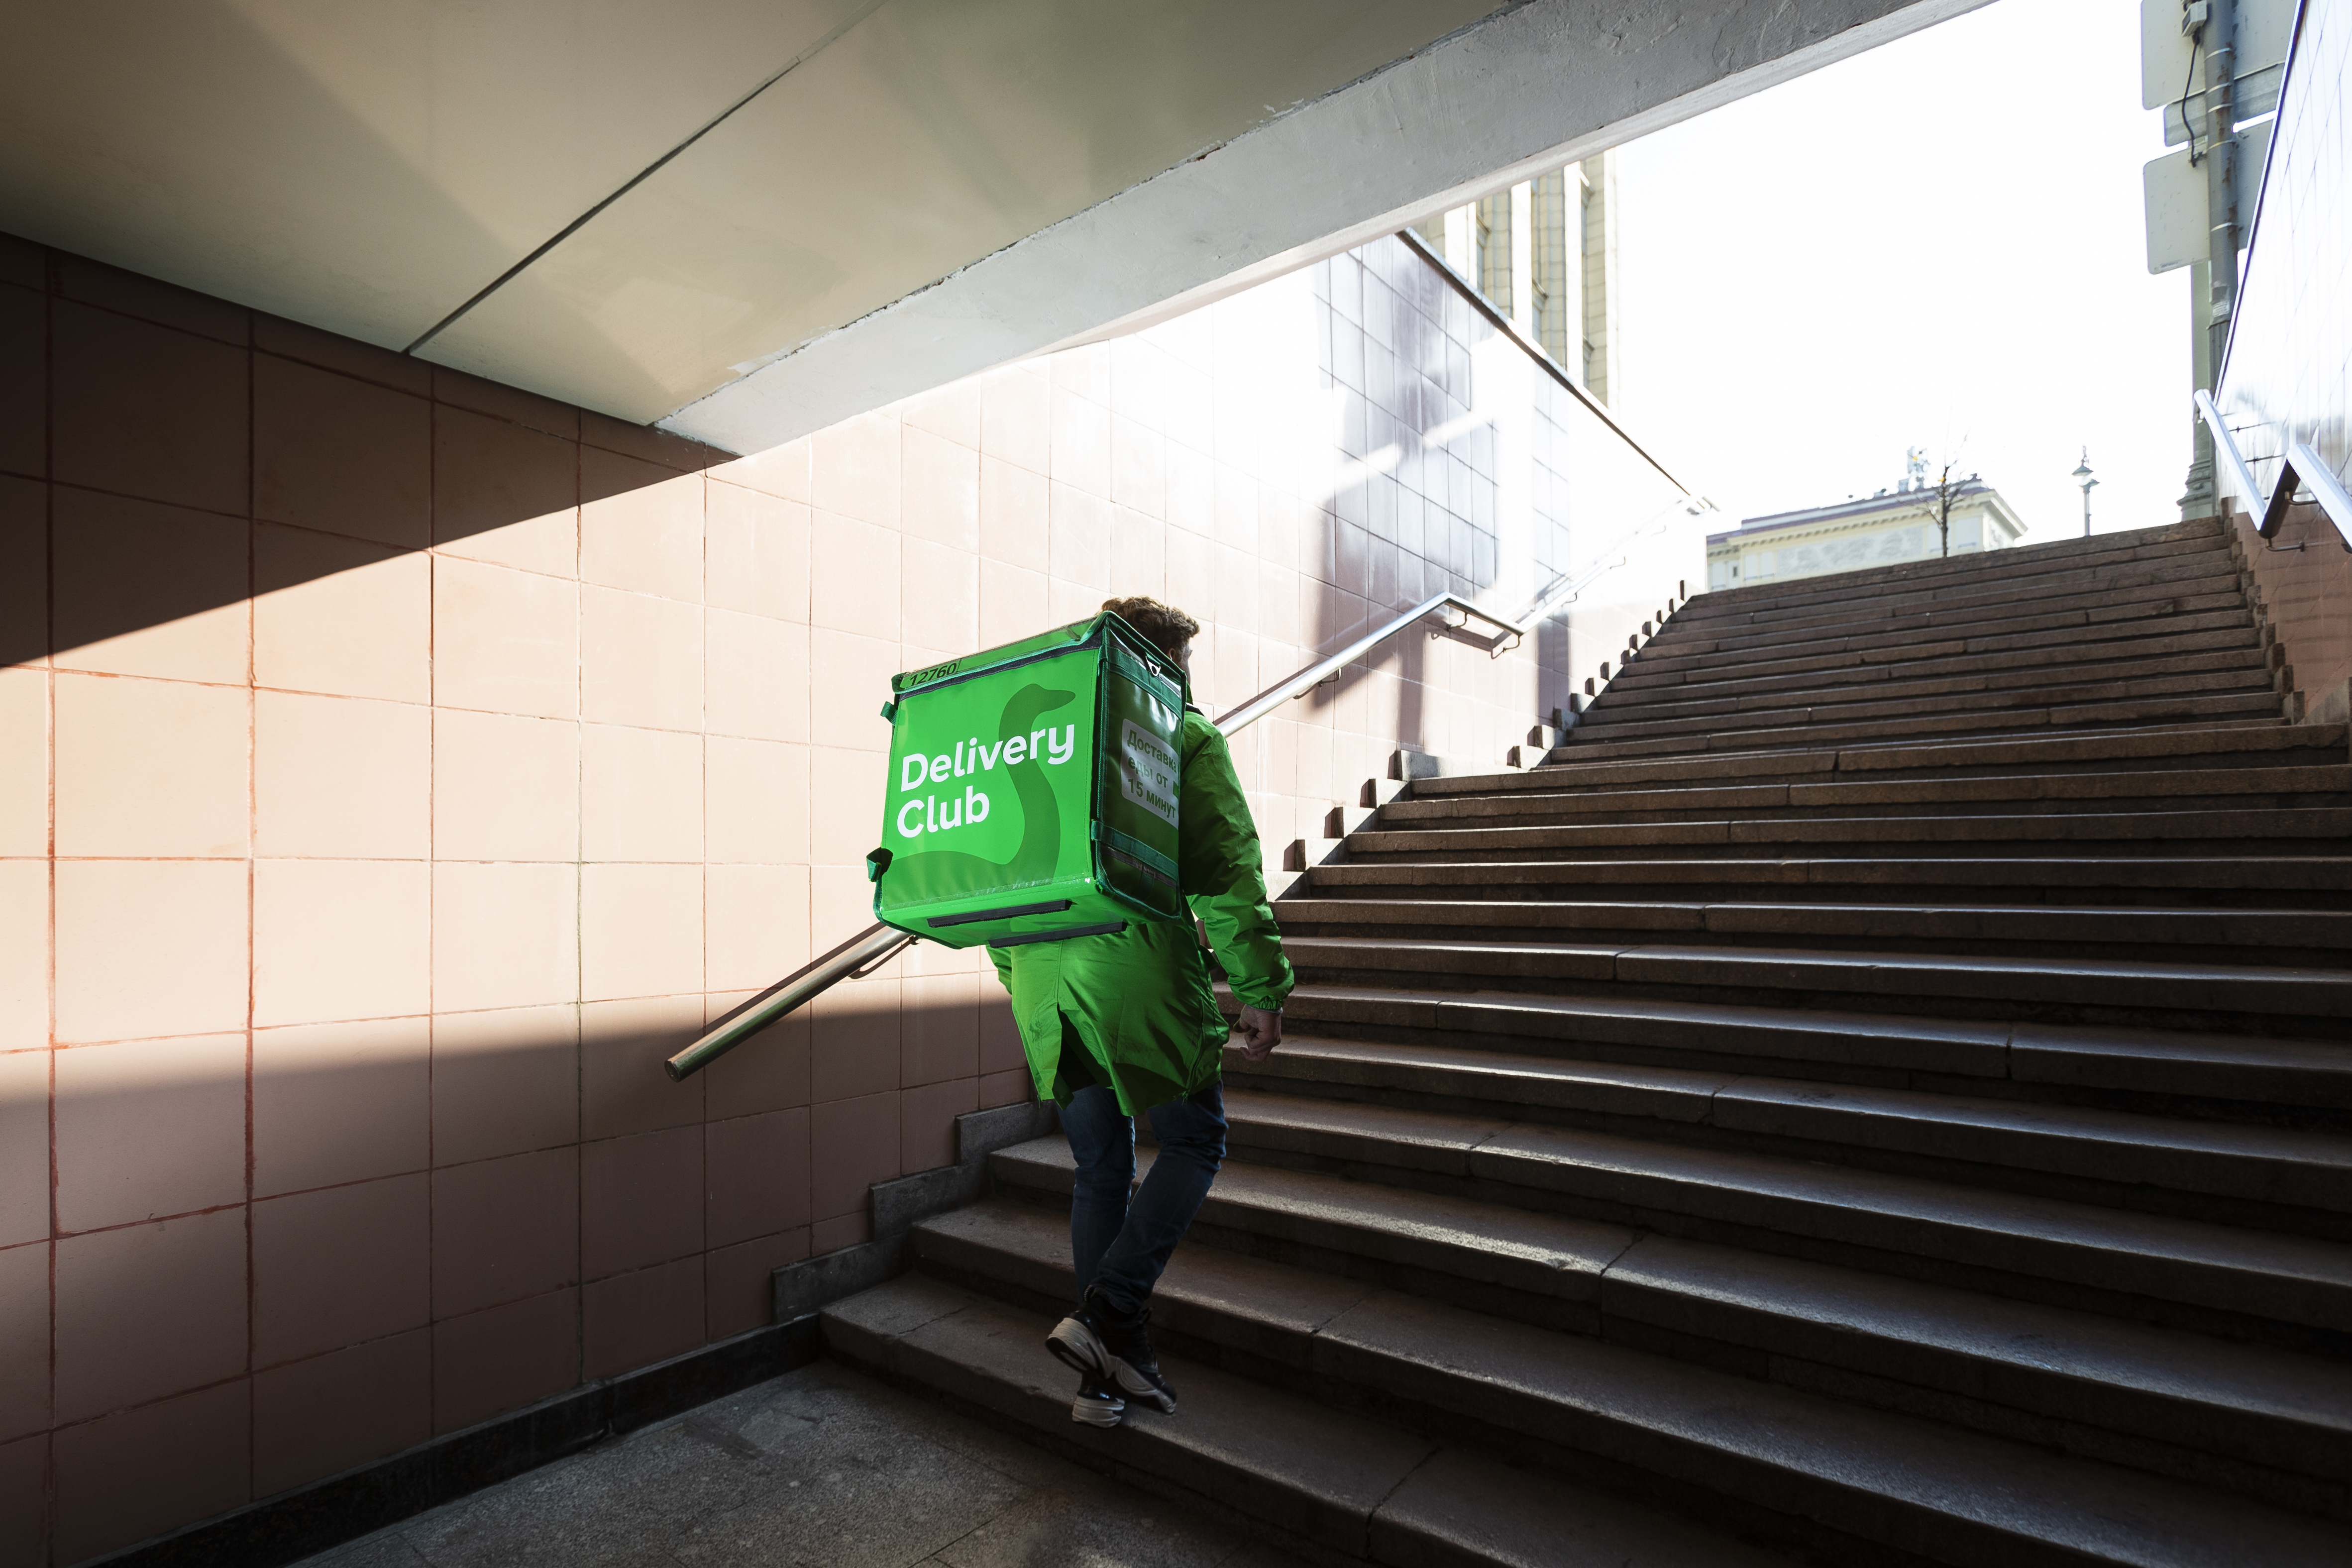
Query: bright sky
1937	243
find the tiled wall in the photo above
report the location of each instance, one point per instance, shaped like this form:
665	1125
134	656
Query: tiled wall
394	767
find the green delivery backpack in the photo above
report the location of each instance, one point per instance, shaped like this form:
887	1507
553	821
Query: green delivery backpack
1033	790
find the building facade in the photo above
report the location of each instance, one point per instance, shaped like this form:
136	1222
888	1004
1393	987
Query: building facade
1884	529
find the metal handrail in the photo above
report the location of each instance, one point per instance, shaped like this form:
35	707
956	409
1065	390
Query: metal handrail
1328	667
2302	468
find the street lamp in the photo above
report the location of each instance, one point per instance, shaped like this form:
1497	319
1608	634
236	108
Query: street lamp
2082	477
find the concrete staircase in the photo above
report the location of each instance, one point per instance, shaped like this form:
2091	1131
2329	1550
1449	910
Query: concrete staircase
1880	1095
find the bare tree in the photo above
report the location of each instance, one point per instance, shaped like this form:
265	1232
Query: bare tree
1944	494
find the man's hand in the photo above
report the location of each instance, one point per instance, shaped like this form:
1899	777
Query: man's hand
1260	1032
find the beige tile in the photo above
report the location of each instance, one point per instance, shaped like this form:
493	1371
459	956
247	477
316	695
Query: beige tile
505	493
148	1128
1078	538
24	762
25	380
505	787
1139	467
951	412
1016	417
335	1412
854	576
623	1088
340	1266
640	794
505	641
781	471
758	921
759	677
941	501
148	590
854	469
165	304
151	768
1011	514
942	595
640	931
330	351
640	526
846	792
504	936
341	1103
25	954
757	801
24	1367
757	553
341	616
341	939
501	401
505	1082
109	1353
846	707
640	660
340	456
1139	553
140	410
1081	445
24	566
1011	604
341	776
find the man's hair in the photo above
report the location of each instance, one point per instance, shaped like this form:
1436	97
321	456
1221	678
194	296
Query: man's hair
1167	627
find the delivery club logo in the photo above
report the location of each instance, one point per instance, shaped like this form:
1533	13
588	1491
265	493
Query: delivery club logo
931	814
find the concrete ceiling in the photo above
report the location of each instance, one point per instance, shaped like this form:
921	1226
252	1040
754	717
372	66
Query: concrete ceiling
747	218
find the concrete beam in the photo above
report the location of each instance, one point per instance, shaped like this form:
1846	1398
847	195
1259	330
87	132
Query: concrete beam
1530	87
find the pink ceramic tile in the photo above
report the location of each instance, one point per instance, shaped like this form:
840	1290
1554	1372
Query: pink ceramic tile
623	1088
341	615
781	471
951	412
504	492
1139	381
942	489
1139	467
25	1499
756	553
738	1288
505	787
341	939
23	571
333	1412
1234	606
1016	417
1011	514
640	1200
854	470
635	1319
769	1072
648	442
854	576
24	763
339	1266
756	795
940	1036
151	768
504	1229
25	1337
842	1230
1012	603
1085	372
927	1134
505	641
136	1473
502	402
24	383
1078	538
504	936
640	794
846	707
111	1350
330	351
341	776
845	808
840	902
1067	602
1000	1037
853	1144
1081	445
640	526
640	660
150	948
757	920
150	299
149	1128
25	1182
759	678
941	589
340	456
1009	1088
1138	554
1191	493
143	409
854	1037
640	931
142	589
506	1357
504	1083
339	1103
757	1176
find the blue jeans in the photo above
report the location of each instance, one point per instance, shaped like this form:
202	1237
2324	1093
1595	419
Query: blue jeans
1118	1244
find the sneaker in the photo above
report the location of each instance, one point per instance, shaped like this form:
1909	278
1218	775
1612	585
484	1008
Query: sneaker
1076	1344
1098	1404
1124	1347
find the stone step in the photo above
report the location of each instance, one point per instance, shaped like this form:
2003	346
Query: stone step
2064	630
2203	572
2095	1154
1812	1473
2092	1386
2160	1268
1330	1480
2307	829
2243	789
2205	1074
2297	937
2130	644
2242	991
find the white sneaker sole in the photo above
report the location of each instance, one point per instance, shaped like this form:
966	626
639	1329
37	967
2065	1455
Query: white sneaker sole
1098	1412
1074	1346
1135	1385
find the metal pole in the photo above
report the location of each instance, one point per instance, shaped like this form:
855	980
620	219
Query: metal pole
2220	38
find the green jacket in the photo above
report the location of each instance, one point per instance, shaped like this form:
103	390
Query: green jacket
1140	999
